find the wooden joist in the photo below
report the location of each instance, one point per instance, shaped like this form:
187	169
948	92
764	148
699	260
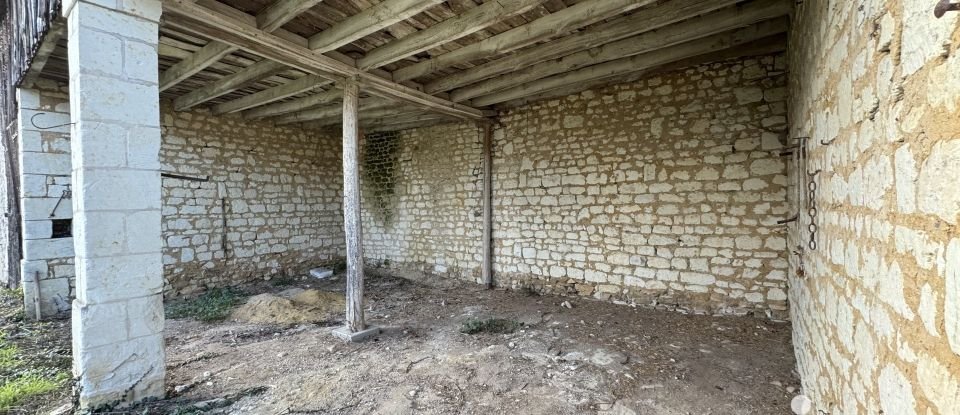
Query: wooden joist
301	104
695	28
58	29
765	46
240	33
270	19
289	89
368	21
639	22
551	25
638	62
406	125
333	111
228	84
448	30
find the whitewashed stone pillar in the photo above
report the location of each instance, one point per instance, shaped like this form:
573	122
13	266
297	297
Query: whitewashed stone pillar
114	102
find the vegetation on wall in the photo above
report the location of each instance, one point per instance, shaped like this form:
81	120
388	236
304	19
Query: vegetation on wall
379	165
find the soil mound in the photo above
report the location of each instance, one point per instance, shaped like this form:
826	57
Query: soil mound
291	307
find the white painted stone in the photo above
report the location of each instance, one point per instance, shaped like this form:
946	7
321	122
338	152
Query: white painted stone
951	305
896	396
924	37
928	309
937	191
906	177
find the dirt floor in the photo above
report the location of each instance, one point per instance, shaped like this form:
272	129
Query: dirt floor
592	358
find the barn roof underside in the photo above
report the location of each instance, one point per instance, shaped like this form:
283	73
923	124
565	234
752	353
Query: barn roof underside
424	61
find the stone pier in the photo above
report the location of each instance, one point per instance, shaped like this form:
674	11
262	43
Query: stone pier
118	312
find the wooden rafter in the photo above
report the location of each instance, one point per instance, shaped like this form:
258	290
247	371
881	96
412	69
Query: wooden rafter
448	30
289	89
691	29
240	33
638	62
270	19
366	104
301	104
58	28
228	84
368	21
639	22
555	24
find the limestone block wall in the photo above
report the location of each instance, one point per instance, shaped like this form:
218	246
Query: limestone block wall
280	187
661	192
45	199
876	307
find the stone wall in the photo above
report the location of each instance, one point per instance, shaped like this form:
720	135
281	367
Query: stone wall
661	192
45	191
281	187
876	306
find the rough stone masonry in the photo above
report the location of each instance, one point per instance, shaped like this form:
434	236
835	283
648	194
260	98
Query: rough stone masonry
876	306
662	192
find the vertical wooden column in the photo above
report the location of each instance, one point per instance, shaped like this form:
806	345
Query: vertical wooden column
487	267
351	208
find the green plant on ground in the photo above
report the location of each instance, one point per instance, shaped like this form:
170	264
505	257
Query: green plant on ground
8	354
490	325
26	386
213	305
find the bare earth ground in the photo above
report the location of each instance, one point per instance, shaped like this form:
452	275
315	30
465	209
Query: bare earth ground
594	358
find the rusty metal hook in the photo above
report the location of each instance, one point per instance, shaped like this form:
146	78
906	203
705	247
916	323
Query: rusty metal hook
827	143
814	173
944	6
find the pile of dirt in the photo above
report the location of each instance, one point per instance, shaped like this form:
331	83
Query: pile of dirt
294	306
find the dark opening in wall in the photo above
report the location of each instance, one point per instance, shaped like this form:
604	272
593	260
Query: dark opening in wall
62	228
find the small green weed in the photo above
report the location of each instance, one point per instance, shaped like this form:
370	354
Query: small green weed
27	386
214	305
490	325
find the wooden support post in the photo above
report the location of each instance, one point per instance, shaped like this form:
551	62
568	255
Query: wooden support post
356	329
487	267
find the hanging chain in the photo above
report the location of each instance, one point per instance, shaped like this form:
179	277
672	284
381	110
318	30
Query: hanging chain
812	210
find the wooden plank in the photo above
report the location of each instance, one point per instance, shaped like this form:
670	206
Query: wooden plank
240	33
353	233
448	30
486	269
281	12
765	46
638	62
695	28
639	22
198	61
552	25
289	89
228	84
368	110
300	104
369	21
333	111
408	125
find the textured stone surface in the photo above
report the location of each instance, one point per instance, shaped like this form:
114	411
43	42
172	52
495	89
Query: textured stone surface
873	301
663	192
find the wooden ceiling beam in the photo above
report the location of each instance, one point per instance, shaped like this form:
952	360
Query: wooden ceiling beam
368	21
239	33
270	19
367	106
765	46
691	29
301	104
639	22
289	89
451	29
556	24
638	62
229	83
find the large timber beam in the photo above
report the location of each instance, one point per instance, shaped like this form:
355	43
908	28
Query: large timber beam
638	62
696	28
369	21
448	30
765	46
555	24
406	125
289	89
270	19
237	32
639	22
